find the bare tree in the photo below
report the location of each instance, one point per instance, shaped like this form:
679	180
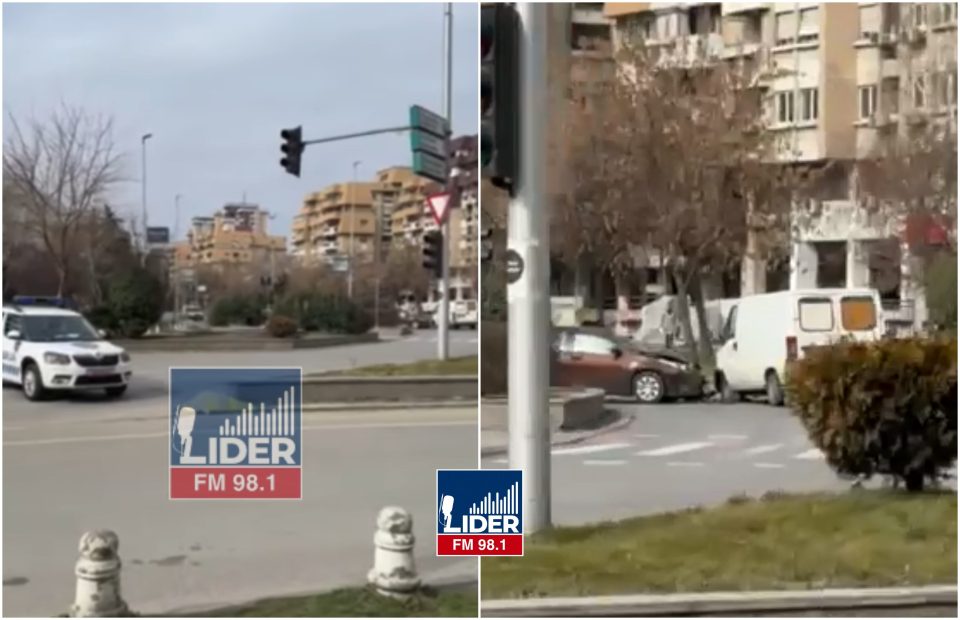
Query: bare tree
61	168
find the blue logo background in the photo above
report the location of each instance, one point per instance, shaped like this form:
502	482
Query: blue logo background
220	394
470	486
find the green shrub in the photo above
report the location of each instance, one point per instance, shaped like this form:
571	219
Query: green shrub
280	326
326	313
888	407
238	310
132	303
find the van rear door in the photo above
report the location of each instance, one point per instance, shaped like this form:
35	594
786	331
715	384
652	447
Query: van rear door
859	316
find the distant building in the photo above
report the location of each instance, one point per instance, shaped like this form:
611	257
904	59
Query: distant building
236	234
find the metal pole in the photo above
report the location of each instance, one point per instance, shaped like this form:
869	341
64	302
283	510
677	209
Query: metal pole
353	224
527	295
176	268
378	259
443	325
143	151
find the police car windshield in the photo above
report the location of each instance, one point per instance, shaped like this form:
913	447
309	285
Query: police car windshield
57	328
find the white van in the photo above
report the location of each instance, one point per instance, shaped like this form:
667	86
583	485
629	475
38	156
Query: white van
763	333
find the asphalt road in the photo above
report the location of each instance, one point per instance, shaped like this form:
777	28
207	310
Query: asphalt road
80	463
149	385
679	455
61	479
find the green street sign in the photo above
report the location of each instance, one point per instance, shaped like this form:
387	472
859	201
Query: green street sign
429	166
428	143
430	122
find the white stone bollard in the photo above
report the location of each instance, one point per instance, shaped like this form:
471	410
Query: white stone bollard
393	573
98	577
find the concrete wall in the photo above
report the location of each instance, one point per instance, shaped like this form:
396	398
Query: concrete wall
839	29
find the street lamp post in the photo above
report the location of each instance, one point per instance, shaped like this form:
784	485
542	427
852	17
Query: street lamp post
176	268
143	150
353	225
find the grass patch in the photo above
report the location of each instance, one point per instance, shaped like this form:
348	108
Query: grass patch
359	602
453	366
861	538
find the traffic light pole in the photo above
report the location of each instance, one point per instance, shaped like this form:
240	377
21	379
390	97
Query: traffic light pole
529	279
443	324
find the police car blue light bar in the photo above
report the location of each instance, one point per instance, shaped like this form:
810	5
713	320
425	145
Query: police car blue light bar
56	302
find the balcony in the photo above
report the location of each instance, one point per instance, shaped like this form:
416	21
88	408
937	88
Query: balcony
738	8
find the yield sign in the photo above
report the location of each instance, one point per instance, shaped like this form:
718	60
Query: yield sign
439	204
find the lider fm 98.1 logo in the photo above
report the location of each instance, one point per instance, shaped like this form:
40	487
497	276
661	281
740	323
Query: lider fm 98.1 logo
479	512
235	433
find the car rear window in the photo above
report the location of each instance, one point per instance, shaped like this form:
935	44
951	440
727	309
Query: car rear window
816	314
858	314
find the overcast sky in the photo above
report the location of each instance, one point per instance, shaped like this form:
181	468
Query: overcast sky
215	84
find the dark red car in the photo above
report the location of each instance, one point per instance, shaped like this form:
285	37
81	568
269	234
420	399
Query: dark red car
621	368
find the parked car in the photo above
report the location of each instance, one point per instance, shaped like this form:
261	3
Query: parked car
764	333
622	368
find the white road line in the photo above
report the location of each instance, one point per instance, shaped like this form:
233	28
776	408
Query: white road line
645	436
727	437
772	447
684	464
604	462
810	455
769	465
333	427
676	448
590	449
501	460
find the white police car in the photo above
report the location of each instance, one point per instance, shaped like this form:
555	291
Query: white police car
49	348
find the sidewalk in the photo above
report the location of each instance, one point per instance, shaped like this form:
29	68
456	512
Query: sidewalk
494	441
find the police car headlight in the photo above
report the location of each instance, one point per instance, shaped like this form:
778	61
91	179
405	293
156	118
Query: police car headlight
676	365
56	358
124	357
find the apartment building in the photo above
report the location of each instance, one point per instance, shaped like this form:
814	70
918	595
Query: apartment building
837	80
236	234
336	223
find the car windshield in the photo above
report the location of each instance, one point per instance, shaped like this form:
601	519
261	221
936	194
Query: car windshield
57	328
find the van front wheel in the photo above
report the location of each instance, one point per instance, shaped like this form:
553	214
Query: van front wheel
774	389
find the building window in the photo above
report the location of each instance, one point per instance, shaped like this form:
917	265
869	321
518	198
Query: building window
809	25
944	90
919	92
948	12
919	15
868	101
809	104
785	107
891	95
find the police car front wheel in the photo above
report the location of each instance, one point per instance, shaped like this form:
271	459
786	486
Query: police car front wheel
33	383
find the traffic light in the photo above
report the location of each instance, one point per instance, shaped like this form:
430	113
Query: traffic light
433	252
499	93
292	148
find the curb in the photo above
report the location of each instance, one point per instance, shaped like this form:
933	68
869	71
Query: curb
386	406
725	603
214	343
624	421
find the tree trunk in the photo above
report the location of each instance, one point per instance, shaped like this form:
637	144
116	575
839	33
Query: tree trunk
683	315
914	481
707	356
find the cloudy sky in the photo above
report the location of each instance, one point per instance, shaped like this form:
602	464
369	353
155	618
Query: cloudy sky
216	83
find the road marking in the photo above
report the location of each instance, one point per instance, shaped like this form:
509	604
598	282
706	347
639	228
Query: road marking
768	465
684	464
590	449
604	462
773	447
676	448
727	437
95	438
501	460
645	436
810	455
